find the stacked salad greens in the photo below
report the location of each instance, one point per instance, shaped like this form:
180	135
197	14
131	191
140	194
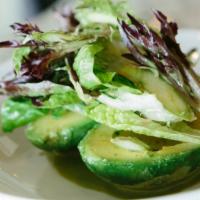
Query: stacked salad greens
109	83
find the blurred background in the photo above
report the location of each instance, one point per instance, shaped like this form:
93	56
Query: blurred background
185	12
20	10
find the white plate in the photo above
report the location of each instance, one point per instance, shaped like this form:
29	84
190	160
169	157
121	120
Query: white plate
26	172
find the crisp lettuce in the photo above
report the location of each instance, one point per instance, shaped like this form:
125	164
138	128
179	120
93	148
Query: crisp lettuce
63	42
86	98
20	111
84	66
18	57
127	120
58	36
91	75
40	89
66	101
17	113
104	11
129	99
146	80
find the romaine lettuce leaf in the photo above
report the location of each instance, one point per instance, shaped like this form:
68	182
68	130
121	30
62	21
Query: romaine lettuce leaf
84	66
42	89
20	111
63	42
146	80
18	56
67	101
91	76
127	120
104	11
86	98
17	113
129	99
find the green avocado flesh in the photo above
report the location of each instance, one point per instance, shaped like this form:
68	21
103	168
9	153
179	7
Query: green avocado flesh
148	81
53	133
126	166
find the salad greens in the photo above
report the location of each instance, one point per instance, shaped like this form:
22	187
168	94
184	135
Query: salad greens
43	88
18	57
105	12
163	50
19	112
108	69
119	62
84	64
130	121
90	73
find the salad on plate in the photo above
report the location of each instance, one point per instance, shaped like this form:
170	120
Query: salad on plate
113	86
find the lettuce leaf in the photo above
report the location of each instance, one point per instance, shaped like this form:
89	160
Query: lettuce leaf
67	101
129	99
91	76
146	80
17	113
18	57
104	11
63	42
127	120
84	66
40	89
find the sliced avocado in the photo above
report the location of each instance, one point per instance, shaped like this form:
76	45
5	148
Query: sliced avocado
126	164
53	133
148	81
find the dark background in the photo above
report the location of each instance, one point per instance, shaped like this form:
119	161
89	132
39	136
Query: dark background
43	4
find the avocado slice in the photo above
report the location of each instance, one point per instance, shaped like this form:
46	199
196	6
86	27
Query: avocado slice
151	160
59	133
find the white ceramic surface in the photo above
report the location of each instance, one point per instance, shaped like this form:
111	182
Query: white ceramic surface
26	172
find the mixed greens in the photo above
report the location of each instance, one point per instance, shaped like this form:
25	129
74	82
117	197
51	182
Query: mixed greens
127	83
